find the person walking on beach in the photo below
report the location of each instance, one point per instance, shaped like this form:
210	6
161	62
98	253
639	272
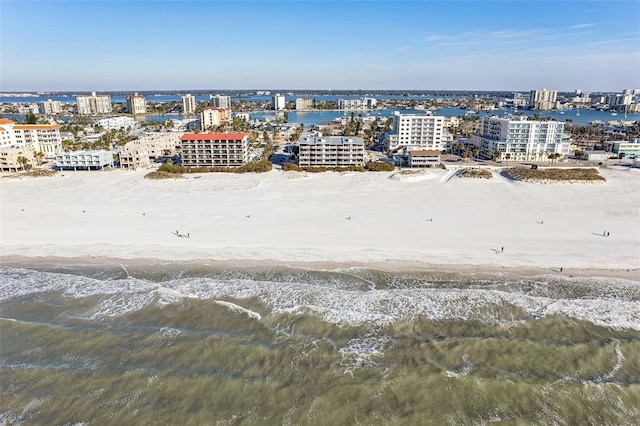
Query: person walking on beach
502	250
560	269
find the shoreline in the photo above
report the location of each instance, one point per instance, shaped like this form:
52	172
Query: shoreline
453	270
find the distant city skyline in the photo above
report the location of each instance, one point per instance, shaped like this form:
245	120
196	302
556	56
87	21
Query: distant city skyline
88	46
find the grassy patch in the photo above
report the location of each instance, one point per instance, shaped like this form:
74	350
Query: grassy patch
553	175
476	173
162	175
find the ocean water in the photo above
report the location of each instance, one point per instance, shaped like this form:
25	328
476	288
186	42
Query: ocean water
211	344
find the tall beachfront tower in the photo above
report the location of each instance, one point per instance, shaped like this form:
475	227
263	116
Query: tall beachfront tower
220	101
416	131
522	139
543	100
136	104
278	102
93	104
188	104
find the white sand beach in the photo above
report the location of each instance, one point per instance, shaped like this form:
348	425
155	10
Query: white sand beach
353	218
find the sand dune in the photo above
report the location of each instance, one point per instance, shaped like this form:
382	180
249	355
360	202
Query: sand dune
434	218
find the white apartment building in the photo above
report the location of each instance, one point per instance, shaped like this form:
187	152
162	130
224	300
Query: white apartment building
43	138
84	160
362	103
188	104
214	149
143	152
220	101
278	101
136	104
543	100
116	123
50	107
213	116
93	104
304	104
524	140
331	151
416	131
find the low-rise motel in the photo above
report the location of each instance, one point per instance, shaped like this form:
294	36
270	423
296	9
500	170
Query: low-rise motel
214	149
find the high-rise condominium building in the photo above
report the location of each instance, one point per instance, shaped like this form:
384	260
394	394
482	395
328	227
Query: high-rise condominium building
304	104
136	104
188	104
220	101
543	100
93	104
50	107
415	131
522	139
278	102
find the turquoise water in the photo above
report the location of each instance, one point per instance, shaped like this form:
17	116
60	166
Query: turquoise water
194	344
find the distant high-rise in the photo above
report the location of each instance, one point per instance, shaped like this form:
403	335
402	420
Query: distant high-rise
188	104
278	102
50	107
136	104
219	101
93	104
304	104
543	100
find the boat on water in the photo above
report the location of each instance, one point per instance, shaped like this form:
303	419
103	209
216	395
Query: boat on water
614	113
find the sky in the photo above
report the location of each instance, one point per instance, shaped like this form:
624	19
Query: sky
323	44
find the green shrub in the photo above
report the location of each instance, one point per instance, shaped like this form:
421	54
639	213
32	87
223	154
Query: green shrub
171	168
379	167
291	167
162	175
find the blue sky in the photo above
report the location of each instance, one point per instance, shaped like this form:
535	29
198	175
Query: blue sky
414	45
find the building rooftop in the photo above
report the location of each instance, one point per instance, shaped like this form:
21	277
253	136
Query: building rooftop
213	136
424	153
331	140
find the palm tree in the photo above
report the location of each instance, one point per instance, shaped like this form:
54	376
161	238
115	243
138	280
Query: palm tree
497	155
40	156
475	152
23	161
507	157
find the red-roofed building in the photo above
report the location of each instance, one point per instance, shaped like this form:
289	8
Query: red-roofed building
214	149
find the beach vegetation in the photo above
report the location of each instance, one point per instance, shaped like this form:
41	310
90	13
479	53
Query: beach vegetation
157	174
291	167
476	173
377	166
553	174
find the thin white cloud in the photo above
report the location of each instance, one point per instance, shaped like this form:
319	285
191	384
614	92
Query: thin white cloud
575	27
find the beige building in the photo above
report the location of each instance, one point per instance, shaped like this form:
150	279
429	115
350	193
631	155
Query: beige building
9	158
214	149
50	107
143	152
304	104
93	104
331	151
213	116
543	100
136	104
